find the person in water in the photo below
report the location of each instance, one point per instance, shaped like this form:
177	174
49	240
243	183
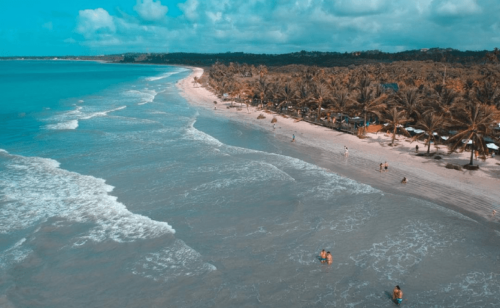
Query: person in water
397	295
329	258
322	256
381	167
293	138
404	180
386	166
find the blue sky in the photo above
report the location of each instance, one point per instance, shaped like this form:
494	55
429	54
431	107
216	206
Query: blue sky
91	27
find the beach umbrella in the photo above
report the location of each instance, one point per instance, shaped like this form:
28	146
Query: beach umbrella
492	146
465	141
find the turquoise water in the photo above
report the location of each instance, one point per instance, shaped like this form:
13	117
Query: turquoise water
114	192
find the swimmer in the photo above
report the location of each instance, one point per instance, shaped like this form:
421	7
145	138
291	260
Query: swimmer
493	213
274	126
404	180
329	258
397	295
322	256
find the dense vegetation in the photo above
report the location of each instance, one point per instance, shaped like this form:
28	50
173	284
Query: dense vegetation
458	101
323	59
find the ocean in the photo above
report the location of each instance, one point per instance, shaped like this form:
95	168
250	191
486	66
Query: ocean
115	192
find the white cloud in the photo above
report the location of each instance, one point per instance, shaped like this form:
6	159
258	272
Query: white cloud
189	8
214	17
290	25
456	7
150	10
95	21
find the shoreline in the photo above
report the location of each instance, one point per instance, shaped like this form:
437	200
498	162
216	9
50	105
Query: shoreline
471	193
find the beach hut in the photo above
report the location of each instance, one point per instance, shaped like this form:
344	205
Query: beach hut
494	148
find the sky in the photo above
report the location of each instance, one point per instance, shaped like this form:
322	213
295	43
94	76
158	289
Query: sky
92	27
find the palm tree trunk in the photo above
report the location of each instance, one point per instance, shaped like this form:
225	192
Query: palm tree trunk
429	146
364	126
472	155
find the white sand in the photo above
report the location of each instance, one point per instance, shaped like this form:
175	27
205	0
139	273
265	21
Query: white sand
474	193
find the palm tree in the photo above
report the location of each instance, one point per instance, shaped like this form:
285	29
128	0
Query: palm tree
286	94
320	95
430	124
367	103
261	89
304	94
409	99
342	102
395	119
474	121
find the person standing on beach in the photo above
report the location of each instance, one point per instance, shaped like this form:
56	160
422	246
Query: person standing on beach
397	295
346	151
386	166
274	126
381	167
416	148
293	138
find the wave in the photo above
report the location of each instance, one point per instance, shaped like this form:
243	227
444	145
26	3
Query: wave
75	116
101	113
35	189
165	75
176	260
330	185
72	124
14	254
146	96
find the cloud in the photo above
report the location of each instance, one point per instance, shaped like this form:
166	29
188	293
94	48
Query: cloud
95	22
189	8
150	10
263	26
456	7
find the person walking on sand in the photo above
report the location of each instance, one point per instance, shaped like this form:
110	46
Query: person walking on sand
322	256
329	258
397	295
346	151
386	166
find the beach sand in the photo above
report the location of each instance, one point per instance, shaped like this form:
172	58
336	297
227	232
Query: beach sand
472	193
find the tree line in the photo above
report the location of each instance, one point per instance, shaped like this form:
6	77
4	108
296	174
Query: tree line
458	101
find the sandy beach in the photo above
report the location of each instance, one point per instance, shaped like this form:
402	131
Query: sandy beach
473	193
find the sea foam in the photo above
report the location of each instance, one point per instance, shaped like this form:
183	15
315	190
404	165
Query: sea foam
145	96
35	189
165	75
75	115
